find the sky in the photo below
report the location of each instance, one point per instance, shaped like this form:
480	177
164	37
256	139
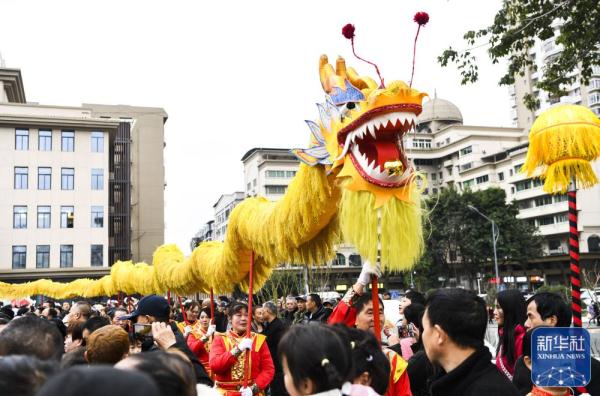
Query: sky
233	75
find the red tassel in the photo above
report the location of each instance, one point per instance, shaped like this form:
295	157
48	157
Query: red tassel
421	18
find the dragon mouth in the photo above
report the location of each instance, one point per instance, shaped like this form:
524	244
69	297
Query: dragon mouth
375	145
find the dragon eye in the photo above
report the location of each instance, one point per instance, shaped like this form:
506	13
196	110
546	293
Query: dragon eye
350	105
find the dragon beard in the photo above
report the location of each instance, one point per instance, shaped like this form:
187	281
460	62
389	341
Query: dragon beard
401	233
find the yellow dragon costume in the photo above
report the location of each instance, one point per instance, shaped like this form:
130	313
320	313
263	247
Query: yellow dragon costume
354	184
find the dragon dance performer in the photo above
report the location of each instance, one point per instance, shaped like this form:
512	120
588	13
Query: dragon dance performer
356	310
228	358
190	322
201	338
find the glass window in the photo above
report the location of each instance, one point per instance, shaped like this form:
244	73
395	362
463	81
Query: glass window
43	217
562	218
433	176
44	178
19	216
468	183
42	256
66	256
45	140
339	260
97	255
97	142
466	150
19	256
500	176
523	185
275	189
67	216
67	178
546	220
275	173
22	139
67	141
526	204
537	182
543	201
97	179
21	177
97	217
560	198
355	260
290	173
482	179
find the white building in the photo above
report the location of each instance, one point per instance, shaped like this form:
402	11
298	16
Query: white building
223	209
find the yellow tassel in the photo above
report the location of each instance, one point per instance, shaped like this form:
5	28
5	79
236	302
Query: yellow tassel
560	174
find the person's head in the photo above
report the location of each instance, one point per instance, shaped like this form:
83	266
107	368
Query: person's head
66	306
150	309
172	372
8	311
409	298
257	314
74	357
99	381
290	304
206	303
81	310
238	317
93	324
31	335
413	314
23	375
547	309
370	365
107	345
301	303
24	310
269	311
365	318
49	313
315	359
49	304
117	318
313	302
204	318
453	319
74	338
192	310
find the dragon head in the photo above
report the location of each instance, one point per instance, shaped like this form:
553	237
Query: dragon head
361	129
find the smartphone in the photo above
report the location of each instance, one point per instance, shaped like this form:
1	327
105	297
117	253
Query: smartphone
142	329
411	330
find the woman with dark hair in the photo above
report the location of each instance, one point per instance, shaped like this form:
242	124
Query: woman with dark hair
510	314
201	338
315	360
192	310
227	357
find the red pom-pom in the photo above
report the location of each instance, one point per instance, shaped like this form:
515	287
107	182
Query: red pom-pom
348	31
421	18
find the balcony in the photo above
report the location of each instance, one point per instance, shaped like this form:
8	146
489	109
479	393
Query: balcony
558	207
448	163
556	228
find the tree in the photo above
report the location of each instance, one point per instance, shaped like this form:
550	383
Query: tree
459	240
513	32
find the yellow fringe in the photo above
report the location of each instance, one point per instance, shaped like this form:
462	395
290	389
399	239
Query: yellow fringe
560	174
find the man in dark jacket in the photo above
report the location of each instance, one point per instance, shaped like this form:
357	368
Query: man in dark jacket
315	311
454	326
274	330
291	307
152	326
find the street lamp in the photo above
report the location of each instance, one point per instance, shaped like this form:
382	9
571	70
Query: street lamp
495	235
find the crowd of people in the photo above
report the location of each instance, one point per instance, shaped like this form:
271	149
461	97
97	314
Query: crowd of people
299	345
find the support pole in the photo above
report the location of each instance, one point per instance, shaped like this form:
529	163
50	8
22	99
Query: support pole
212	307
574	254
374	282
249	324
183	311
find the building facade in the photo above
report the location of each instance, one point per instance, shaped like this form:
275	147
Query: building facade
70	201
223	208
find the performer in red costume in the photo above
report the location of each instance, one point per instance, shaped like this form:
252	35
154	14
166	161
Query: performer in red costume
356	310
228	358
201	338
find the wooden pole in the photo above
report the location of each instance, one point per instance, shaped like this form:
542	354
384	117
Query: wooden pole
249	324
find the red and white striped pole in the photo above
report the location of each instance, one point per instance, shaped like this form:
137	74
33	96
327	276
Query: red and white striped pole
574	254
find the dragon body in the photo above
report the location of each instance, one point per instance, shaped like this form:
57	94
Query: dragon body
354	184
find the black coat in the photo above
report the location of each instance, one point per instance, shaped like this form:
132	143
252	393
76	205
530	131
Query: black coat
475	376
419	371
288	317
320	316
274	331
522	378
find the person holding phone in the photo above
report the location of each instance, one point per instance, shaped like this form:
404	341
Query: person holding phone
155	331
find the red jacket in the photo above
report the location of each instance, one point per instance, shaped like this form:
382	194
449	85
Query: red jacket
502	361
199	348
229	369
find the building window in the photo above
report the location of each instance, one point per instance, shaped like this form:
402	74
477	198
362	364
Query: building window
441	175
290	173
44	178
355	260
594	244
537	183
543	201
66	256
433	176
42	256
523	185
275	189
482	179
275	173
67	216
500	176
19	256
97	255
560	198
466	166
421	143
97	217
22	139
468	183
97	142
97	179
43	217
547	220
19	216
21	177
466	150
562	218
339	261
44	140
67	141
67	178
249	186
526	204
